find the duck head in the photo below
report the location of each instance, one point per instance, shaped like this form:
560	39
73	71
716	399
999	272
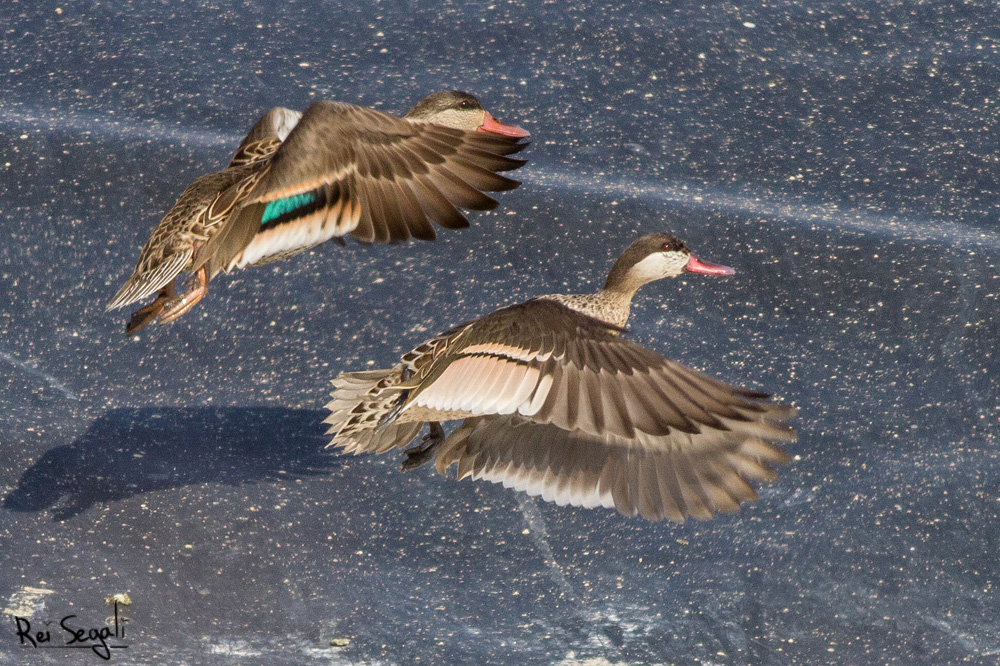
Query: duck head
654	257
460	110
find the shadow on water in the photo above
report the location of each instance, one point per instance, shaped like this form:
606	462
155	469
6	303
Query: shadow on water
127	452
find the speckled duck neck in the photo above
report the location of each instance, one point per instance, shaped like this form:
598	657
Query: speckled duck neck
613	303
648	259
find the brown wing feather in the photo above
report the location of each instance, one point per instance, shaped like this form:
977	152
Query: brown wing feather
403	175
598	381
413	217
436	205
690	477
357	403
231	239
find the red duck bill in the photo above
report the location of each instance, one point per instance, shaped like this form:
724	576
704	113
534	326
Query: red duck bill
696	265
491	124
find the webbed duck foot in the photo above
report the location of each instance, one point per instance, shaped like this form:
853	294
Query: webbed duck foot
422	453
147	314
182	303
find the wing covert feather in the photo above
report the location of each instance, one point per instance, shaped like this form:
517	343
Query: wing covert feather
589	378
402	175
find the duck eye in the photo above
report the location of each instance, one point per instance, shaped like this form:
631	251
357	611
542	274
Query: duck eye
464	104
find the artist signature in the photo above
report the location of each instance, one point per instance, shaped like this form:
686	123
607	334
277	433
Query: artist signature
102	640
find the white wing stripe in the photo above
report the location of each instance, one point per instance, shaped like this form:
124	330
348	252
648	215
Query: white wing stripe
300	235
522	392
500	349
499	390
531	406
486	375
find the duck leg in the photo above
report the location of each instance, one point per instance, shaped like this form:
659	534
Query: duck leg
146	314
425	450
196	290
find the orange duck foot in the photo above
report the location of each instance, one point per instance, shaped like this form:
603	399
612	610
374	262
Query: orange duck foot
169	307
145	315
181	304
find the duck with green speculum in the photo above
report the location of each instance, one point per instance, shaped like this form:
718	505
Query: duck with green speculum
300	179
557	403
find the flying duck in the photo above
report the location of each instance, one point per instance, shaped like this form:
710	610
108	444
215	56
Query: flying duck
299	179
557	403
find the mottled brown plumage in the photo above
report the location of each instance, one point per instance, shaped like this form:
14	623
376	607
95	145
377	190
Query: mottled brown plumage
266	136
558	404
298	180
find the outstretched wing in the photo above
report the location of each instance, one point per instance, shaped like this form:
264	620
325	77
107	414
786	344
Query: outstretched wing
550	364
345	169
558	404
672	477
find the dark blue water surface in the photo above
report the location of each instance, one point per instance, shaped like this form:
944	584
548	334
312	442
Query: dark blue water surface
842	156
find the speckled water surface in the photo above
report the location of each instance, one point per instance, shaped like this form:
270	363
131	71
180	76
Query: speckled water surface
842	156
